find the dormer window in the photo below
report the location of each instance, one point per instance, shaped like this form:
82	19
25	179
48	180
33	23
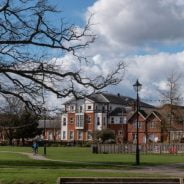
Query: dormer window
71	108
89	107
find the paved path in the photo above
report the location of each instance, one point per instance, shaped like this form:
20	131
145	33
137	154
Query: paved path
167	170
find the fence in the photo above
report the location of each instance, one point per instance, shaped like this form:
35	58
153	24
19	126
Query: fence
144	148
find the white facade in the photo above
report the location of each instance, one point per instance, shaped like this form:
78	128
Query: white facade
64	126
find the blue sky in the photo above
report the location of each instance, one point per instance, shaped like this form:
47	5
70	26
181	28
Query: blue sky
74	10
147	34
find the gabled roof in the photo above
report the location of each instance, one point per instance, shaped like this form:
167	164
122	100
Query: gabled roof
141	112
156	114
98	98
114	99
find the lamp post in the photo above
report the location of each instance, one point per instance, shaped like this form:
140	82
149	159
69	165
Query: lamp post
45	150
137	87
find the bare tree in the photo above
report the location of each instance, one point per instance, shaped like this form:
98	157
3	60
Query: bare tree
16	122
172	97
28	39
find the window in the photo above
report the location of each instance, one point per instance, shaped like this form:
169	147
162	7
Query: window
152	124
50	135
139	125
89	135
134	136
135	124
58	134
110	108
71	135
71	108
89	107
112	120
88	119
80	134
98	120
120	132
79	120
121	120
64	121
71	120
64	134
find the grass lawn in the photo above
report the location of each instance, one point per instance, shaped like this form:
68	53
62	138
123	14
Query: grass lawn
85	155
15	167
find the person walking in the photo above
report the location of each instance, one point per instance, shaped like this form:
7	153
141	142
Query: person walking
35	147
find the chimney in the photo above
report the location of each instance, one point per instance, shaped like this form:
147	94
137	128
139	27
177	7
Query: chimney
118	94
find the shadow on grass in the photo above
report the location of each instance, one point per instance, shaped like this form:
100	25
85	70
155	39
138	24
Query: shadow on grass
71	165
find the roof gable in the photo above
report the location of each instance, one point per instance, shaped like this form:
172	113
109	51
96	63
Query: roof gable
155	114
141	113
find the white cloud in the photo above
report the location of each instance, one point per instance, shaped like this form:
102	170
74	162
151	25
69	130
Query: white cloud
124	27
152	71
130	23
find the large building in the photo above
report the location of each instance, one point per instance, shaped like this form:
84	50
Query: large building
99	111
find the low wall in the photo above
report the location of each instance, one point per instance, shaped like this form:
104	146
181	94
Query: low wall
119	180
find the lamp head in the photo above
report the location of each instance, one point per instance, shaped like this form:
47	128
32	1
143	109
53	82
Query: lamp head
137	86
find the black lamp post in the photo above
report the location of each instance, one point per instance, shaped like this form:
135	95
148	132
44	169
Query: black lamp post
137	87
45	150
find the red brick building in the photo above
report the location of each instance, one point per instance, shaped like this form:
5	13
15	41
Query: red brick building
132	127
155	126
99	111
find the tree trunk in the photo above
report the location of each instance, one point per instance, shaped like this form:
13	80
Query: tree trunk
23	141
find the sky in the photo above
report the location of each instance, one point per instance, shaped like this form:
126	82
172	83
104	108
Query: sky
147	35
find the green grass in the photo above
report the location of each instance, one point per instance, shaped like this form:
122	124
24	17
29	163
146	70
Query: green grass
78	155
15	167
85	155
49	176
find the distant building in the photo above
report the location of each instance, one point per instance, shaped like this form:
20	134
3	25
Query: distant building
52	129
157	125
150	127
96	112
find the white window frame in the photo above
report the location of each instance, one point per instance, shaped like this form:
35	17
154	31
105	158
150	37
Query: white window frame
80	136
64	135
71	133
64	121
89	137
80	120
135	124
